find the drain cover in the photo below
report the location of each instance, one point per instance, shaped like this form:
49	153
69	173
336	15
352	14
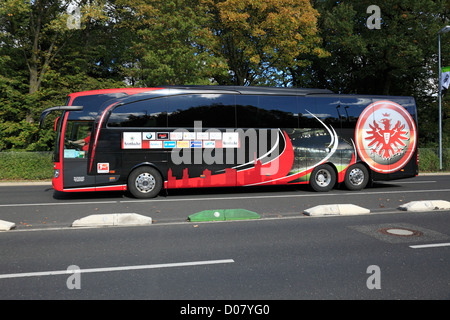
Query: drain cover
402	232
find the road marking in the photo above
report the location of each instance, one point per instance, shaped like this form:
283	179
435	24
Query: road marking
433	245
317	194
413	182
125	268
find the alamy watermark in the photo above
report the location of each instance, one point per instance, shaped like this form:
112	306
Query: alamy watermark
74	280
374	21
374	280
232	146
74	18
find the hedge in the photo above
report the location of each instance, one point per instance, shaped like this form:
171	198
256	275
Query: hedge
26	166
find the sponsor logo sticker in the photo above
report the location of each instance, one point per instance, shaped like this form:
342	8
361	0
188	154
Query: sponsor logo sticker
148	135
132	140
103	167
209	144
196	144
176	135
188	135
156	145
182	144
230	140
162	135
202	136
170	144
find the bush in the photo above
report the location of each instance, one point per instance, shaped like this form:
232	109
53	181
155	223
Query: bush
26	165
429	160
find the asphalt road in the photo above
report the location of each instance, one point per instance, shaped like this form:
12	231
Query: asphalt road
31	207
284	255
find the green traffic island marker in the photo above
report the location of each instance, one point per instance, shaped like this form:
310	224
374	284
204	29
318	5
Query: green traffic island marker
223	215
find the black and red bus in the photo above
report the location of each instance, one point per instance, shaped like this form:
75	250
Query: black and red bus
147	139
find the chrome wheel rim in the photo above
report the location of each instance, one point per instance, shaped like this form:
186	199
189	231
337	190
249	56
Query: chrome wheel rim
145	182
323	177
356	176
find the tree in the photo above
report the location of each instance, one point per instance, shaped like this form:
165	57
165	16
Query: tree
168	43
41	61
261	39
400	58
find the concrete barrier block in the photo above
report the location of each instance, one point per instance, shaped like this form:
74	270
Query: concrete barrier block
426	205
113	219
6	225
336	209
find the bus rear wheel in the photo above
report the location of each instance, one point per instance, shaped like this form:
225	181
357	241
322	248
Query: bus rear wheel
145	182
356	177
323	178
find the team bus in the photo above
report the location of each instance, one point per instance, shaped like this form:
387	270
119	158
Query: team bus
145	140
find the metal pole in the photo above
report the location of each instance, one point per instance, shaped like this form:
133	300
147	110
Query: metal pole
440	112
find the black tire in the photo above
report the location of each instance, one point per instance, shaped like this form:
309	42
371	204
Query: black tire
356	177
323	178
145	182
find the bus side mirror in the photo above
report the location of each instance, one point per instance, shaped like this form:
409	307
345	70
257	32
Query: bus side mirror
61	108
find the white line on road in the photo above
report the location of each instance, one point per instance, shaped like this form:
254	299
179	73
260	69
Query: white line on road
318	194
433	245
125	268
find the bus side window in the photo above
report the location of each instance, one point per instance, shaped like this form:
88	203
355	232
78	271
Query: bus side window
267	111
350	109
307	107
328	110
213	110
146	113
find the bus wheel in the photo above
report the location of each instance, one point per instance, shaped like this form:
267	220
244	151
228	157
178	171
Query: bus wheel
145	182
356	177
323	178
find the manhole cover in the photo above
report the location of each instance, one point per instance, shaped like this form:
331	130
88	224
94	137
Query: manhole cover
401	232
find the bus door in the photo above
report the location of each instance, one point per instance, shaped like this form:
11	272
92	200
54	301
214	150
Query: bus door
76	154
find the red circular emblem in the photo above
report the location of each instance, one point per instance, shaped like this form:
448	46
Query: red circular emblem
385	136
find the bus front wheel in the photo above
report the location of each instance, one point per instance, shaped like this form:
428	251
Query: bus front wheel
145	182
323	178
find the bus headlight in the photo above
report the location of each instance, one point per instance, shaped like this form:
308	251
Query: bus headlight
56	173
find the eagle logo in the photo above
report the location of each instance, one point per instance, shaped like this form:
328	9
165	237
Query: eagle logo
385	136
387	141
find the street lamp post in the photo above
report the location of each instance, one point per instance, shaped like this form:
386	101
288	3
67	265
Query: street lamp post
443	30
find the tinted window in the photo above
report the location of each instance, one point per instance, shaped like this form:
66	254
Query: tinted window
350	109
213	110
147	113
306	107
91	105
266	111
327	110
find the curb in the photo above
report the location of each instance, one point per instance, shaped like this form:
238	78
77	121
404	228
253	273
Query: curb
336	209
113	220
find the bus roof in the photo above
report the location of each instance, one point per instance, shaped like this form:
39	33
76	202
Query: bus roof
196	88
253	89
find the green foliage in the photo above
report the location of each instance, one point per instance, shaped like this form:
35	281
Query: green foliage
323	44
429	159
400	58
